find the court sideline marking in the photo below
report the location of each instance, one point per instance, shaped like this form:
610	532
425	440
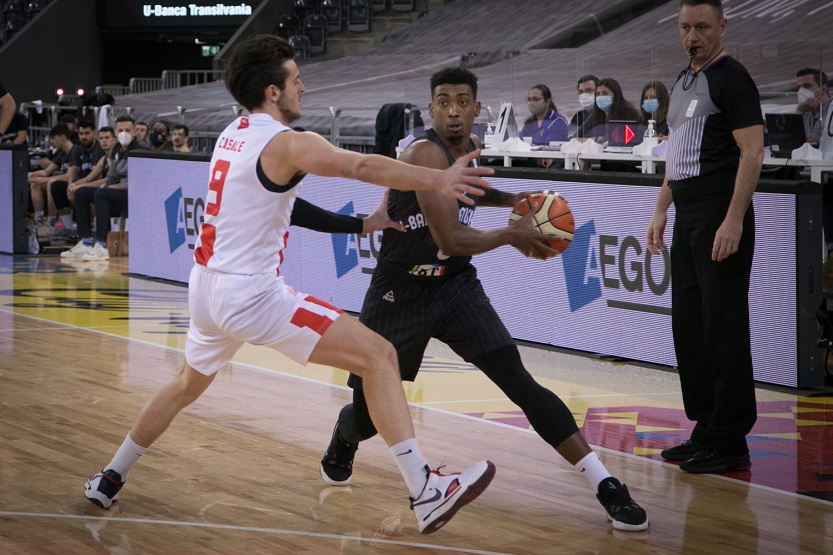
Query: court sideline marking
236	528
420	405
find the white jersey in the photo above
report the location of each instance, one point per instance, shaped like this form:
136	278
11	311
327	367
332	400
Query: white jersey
246	222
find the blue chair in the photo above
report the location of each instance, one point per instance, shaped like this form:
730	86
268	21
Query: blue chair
358	16
12	27
315	29
332	10
302	8
402	5
301	45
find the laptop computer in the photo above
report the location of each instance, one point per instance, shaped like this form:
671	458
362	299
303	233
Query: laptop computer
785	133
622	135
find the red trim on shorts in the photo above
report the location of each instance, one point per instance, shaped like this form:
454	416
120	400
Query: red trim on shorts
205	251
319	302
303	318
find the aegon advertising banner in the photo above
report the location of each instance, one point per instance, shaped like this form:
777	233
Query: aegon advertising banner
605	294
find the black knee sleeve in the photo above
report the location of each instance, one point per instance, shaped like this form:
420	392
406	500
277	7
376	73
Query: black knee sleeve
545	411
354	423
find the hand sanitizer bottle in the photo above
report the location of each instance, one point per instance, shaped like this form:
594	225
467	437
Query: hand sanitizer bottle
489	137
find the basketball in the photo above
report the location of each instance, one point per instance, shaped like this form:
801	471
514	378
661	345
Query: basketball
553	217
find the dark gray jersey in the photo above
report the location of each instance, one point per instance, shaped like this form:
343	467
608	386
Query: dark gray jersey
414	252
706	107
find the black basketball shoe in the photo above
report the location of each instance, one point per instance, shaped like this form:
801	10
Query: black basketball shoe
337	463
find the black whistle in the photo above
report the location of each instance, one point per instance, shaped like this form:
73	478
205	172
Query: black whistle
692	52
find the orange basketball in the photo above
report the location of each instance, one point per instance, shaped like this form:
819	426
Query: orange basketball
553	217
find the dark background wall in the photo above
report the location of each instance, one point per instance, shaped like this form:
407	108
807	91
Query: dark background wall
60	47
69	45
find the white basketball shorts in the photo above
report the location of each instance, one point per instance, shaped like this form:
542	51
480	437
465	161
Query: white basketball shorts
228	310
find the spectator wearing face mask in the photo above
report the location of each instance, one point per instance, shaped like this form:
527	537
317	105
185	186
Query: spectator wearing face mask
813	101
610	106
110	199
579	124
158	137
654	106
544	123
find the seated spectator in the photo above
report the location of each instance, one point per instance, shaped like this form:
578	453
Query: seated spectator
110	199
17	133
544	124
580	123
610	106
159	134
813	101
69	120
107	142
7	109
40	180
654	106
142	132
80	166
179	138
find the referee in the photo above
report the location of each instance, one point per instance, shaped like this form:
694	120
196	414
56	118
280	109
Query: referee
715	151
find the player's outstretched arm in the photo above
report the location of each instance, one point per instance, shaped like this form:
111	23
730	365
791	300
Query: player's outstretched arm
456	239
292	152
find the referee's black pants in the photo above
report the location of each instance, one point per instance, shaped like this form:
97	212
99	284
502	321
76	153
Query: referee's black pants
710	315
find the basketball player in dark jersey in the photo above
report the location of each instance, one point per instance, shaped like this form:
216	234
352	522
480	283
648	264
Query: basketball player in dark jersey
425	286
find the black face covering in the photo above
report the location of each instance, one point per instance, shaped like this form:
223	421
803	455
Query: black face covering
157	138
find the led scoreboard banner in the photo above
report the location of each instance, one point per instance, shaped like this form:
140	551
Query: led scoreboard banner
184	13
606	294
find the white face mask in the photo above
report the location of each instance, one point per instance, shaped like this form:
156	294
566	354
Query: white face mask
124	138
804	95
586	100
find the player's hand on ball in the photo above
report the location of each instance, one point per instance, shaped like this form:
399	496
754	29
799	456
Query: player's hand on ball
528	240
549	215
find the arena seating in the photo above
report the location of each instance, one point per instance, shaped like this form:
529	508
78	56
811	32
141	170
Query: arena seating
509	46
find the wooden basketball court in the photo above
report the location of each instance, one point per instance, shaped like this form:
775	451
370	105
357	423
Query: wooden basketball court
83	346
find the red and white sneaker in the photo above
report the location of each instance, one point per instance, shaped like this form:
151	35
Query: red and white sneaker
445	494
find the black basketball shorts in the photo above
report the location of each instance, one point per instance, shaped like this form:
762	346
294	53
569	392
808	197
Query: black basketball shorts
408	312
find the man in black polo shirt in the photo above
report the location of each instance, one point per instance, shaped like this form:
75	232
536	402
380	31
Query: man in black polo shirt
40	180
715	151
17	133
80	165
7	109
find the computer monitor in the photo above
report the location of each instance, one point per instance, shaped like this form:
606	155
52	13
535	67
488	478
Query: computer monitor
785	133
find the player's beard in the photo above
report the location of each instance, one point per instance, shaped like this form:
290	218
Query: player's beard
290	110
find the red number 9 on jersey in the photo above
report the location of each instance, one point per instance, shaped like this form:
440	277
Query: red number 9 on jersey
218	179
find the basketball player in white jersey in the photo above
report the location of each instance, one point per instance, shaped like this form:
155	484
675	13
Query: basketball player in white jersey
237	295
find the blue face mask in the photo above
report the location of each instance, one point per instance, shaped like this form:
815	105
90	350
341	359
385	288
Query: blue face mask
650	105
604	102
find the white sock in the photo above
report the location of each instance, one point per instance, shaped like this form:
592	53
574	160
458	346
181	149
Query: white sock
592	469
66	219
39	216
127	455
411	464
